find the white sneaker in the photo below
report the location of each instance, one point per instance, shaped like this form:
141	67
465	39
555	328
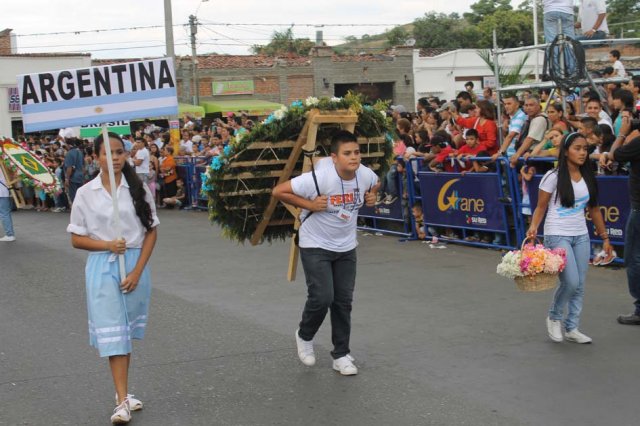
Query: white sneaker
577	337
345	366
121	414
134	403
554	329
305	351
8	238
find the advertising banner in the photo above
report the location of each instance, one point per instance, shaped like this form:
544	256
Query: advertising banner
69	98
14	99
470	201
383	211
614	205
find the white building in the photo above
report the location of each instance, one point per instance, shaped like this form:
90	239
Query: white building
12	64
444	73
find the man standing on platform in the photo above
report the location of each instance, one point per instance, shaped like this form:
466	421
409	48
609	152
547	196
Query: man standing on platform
554	11
330	199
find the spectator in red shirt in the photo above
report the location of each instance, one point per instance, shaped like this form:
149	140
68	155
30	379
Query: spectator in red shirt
485	124
441	151
471	148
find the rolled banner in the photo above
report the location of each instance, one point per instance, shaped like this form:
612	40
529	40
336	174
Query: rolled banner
29	167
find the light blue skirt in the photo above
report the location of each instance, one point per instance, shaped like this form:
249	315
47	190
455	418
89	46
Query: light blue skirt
115	318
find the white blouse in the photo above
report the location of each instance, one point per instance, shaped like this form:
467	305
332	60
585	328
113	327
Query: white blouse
92	213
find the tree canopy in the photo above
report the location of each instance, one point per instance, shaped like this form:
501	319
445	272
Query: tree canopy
284	43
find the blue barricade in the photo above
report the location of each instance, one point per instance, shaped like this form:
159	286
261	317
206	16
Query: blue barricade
189	169
396	212
471	204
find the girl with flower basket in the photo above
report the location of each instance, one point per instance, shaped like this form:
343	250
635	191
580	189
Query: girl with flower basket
564	194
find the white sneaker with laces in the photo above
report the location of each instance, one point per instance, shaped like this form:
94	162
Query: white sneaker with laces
121	414
554	329
8	238
577	337
345	366
305	351
134	403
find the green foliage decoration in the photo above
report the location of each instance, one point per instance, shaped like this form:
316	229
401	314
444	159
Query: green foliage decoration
238	182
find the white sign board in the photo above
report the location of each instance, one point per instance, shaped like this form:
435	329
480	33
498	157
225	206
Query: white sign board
84	96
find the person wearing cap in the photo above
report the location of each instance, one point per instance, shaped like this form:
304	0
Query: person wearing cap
397	112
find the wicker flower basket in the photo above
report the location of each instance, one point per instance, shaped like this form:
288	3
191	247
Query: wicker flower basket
539	282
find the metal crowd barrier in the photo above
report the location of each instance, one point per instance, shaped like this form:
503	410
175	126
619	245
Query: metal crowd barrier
189	170
397	213
471	204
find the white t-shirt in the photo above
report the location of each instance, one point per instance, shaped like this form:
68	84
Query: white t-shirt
326	229
618	69
589	11
142	154
92	213
560	220
187	145
4	191
564	6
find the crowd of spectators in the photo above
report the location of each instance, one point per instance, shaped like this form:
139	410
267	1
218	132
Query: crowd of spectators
450	135
149	150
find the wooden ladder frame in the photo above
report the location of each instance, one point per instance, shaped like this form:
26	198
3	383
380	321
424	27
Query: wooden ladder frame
306	142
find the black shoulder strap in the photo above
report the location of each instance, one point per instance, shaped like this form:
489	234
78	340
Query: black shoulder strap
310	154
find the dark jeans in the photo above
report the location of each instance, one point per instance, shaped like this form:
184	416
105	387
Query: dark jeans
73	188
331	277
632	256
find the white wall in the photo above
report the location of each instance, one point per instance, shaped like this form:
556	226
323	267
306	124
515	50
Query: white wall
12	66
436	75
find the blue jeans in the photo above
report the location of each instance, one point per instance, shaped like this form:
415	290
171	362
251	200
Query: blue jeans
550	24
331	278
390	184
5	216
571	289
632	256
598	35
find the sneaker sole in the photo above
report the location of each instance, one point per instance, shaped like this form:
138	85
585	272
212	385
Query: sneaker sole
580	343
344	373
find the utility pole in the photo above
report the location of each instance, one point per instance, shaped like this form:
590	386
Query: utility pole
168	30
195	88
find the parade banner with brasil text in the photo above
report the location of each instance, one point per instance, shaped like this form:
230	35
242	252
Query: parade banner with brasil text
30	169
122	127
101	94
613	198
471	201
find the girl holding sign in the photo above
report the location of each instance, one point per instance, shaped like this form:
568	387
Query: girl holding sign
117	309
565	192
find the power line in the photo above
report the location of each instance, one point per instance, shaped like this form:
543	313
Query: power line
227	24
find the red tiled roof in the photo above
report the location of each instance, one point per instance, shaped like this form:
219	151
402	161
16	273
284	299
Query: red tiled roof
248	61
97	62
362	58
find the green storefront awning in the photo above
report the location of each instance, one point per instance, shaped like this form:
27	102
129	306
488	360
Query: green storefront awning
253	106
194	111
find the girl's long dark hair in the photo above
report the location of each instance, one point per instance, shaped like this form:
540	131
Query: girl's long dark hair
136	188
565	187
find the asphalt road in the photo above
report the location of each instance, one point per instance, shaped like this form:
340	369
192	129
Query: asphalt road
440	339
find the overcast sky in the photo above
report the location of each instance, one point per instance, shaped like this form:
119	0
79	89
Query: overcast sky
51	16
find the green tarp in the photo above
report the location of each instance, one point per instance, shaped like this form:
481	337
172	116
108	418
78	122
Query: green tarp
191	110
253	106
